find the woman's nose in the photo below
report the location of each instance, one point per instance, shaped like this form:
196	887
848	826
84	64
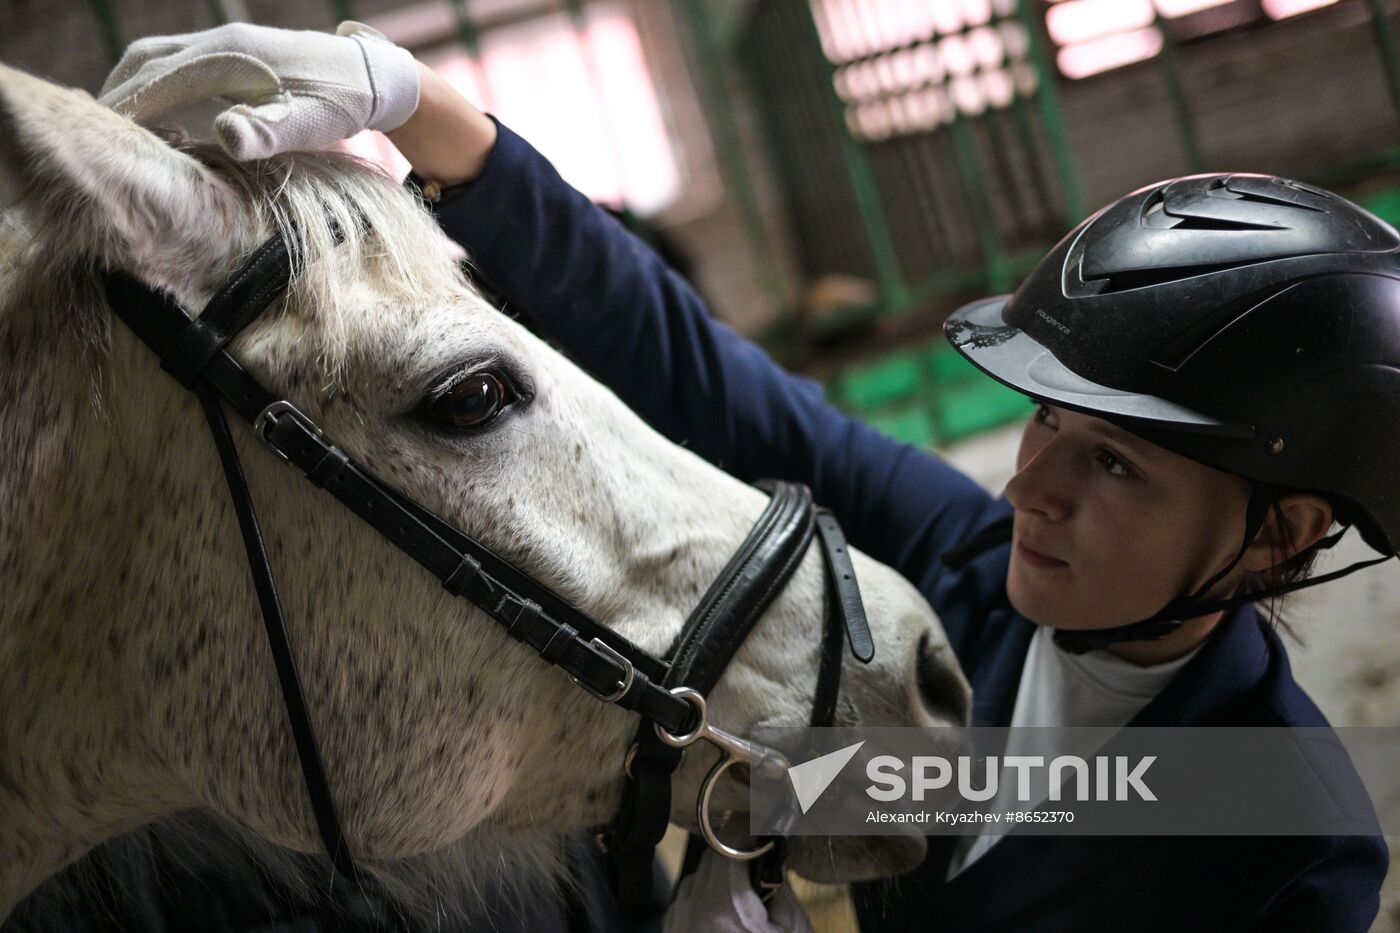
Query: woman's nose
1040	484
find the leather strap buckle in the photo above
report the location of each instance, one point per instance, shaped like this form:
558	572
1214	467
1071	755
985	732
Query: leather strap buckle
267	420
627	674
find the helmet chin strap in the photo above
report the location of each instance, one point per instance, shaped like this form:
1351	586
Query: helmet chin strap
1176	612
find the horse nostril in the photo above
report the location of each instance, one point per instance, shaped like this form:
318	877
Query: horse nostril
939	683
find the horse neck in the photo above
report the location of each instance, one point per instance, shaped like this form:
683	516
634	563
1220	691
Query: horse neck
71	746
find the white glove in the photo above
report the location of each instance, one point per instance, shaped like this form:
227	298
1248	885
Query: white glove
263	90
718	898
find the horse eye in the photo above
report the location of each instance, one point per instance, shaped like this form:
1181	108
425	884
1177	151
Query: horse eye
470	402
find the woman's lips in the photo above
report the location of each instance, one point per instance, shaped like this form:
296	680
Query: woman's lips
1035	558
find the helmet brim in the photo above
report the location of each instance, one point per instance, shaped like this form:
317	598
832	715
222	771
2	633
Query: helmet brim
1016	359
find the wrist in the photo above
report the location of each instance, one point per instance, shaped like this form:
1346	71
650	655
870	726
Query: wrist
447	139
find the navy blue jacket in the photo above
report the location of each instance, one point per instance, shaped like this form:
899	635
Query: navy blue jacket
619	312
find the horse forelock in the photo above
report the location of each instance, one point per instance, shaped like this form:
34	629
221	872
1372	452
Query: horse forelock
337	211
342	217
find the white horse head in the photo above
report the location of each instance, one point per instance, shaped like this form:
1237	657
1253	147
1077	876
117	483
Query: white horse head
138	680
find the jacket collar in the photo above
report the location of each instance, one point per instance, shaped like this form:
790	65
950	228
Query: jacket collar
1231	662
1233	659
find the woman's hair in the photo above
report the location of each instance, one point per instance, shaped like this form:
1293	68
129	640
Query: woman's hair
1284	569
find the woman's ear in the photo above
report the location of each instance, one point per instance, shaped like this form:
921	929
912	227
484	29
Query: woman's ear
1306	519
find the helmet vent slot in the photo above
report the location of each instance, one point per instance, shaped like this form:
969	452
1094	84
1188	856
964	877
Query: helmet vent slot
1262	198
1142	278
1218	223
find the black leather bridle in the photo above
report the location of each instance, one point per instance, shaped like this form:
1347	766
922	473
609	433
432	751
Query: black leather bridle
669	694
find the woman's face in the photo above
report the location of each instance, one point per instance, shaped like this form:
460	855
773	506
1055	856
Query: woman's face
1125	526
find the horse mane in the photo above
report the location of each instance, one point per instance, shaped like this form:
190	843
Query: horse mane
134	871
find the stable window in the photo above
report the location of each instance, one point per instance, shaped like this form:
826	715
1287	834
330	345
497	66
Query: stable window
1094	36
903	67
578	87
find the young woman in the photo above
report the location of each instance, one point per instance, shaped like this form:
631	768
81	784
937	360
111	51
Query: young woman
1217	365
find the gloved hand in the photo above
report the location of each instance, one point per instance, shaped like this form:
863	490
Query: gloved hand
261	91
718	898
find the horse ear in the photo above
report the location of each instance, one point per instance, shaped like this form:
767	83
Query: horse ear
117	189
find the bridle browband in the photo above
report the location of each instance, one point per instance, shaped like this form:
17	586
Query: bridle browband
669	695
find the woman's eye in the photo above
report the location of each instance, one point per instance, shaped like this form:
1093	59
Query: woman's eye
470	402
1114	465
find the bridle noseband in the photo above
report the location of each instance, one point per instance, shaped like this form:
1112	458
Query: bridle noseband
669	695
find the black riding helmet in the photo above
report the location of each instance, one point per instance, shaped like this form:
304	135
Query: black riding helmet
1247	322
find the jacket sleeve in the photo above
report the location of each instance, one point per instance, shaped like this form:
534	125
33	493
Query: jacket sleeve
613	306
